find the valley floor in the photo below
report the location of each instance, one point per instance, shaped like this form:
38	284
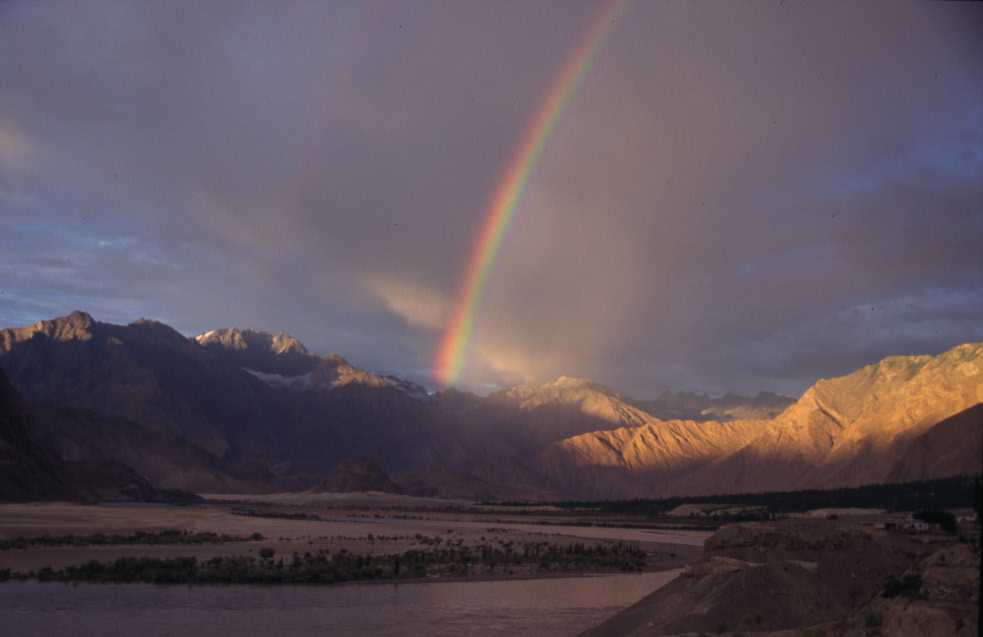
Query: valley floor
832	571
332	526
580	574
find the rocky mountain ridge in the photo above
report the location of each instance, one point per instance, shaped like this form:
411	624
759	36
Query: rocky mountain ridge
844	431
191	415
240	410
282	361
261	351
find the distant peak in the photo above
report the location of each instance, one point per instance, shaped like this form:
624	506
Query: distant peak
570	381
283	343
79	318
77	326
335	359
669	394
158	329
561	389
241	339
770	395
152	323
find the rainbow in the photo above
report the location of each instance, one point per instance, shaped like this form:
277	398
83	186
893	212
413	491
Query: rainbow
504	201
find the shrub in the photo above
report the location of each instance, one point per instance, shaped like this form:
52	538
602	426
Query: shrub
166	536
872	622
906	586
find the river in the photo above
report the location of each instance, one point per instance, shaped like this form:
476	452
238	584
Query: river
541	607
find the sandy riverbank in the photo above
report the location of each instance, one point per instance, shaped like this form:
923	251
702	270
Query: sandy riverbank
361	531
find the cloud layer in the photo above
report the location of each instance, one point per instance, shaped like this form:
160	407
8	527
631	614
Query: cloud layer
739	197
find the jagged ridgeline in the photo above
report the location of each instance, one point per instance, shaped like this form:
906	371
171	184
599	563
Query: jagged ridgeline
237	410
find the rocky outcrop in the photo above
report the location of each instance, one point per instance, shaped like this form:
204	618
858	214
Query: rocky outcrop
938	597
813	577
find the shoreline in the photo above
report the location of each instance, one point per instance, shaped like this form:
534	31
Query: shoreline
478	579
340	550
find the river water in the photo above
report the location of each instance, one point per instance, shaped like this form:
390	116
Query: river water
541	607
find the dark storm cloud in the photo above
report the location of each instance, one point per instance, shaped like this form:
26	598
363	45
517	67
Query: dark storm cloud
739	196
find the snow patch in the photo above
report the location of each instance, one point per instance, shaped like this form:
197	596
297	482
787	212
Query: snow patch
301	382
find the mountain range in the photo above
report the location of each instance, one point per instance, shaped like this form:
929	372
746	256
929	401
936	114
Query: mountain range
238	410
699	406
847	431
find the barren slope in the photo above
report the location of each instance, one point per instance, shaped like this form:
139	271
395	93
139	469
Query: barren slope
845	431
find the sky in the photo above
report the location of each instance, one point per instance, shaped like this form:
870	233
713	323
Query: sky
739	196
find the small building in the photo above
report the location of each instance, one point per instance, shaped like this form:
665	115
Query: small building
912	525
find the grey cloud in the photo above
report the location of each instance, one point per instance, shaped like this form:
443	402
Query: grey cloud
728	186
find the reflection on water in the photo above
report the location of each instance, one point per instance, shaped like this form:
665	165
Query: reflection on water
563	606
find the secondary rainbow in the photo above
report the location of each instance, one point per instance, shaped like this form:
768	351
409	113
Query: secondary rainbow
507	195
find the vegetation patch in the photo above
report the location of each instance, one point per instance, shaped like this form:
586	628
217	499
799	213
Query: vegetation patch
167	536
278	515
444	559
872	623
927	495
905	586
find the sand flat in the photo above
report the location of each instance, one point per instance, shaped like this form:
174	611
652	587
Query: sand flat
360	531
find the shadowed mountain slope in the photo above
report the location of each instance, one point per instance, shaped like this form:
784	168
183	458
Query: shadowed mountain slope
145	372
563	407
145	390
952	447
27	471
201	421
358	474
